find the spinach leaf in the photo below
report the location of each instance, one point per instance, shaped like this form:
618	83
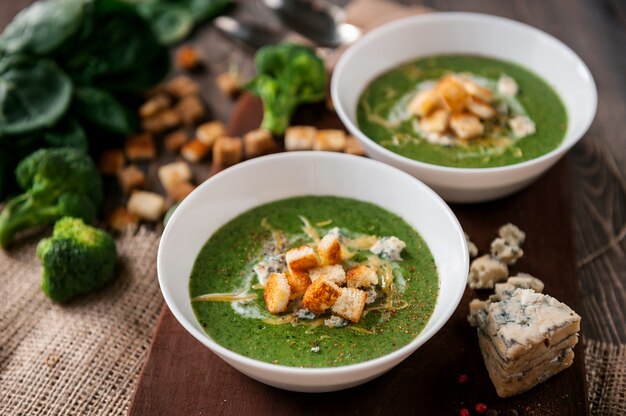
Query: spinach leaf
66	133
170	22
42	27
202	10
34	93
103	110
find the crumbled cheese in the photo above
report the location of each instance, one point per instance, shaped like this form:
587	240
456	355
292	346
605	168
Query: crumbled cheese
389	248
507	86
371	295
269	265
335	322
508	253
335	231
438	139
522	126
315	348
471	247
512	234
485	271
304	314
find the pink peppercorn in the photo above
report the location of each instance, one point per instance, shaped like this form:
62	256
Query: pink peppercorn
462	379
464	412
480	408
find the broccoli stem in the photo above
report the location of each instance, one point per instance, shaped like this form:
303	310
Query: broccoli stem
21	213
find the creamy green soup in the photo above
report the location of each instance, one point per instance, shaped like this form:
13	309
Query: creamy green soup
225	266
382	115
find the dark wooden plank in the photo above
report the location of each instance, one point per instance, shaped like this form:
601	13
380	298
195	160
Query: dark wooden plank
181	373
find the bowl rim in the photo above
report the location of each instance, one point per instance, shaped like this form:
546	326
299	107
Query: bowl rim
563	147
387	360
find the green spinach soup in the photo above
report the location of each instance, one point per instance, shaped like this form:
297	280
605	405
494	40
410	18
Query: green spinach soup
314	281
462	111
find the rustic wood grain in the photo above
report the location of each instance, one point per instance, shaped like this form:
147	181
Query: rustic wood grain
179	369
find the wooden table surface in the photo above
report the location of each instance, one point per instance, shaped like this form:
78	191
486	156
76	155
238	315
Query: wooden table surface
594	29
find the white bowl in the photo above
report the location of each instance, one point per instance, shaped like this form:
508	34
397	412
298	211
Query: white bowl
466	33
271	178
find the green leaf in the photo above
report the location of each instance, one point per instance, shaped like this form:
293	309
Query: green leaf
202	10
34	93
103	110
43	27
67	133
171	23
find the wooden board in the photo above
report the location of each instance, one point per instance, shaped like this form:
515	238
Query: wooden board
181	376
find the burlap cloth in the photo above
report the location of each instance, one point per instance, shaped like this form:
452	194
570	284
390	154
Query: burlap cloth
85	358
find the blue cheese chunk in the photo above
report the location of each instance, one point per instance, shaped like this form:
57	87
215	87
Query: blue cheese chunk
389	248
508	253
512	234
521	281
485	271
269	265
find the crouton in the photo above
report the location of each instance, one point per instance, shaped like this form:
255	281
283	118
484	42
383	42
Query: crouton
436	122
361	276
299	138
476	90
423	103
228	84
350	304
140	147
301	258
332	140
480	108
155	105
353	146
329	250
174	141
191	109
277	293
111	161
208	133
452	94
187	58
182	86
180	191
299	281
119	219
147	205
131	178
466	126
194	151
334	273
158	123
320	296
258	142
227	151
174	173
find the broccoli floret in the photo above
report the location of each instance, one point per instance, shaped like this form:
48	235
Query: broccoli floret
77	259
287	75
57	182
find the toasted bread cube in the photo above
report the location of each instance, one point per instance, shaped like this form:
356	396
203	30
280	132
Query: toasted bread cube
228	84
182	86
258	143
353	146
476	90
174	141
299	281
147	205
436	122
350	304
208	133
119	219
424	103
332	140
187	58
227	151
277	293
301	258
452	94
111	161
180	191
329	250
320	296
466	126
165	120
174	173
191	109
334	273
131	178
140	147
155	105
299	138
480	108
361	276
194	151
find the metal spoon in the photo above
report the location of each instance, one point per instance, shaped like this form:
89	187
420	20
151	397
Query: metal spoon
320	21
248	33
